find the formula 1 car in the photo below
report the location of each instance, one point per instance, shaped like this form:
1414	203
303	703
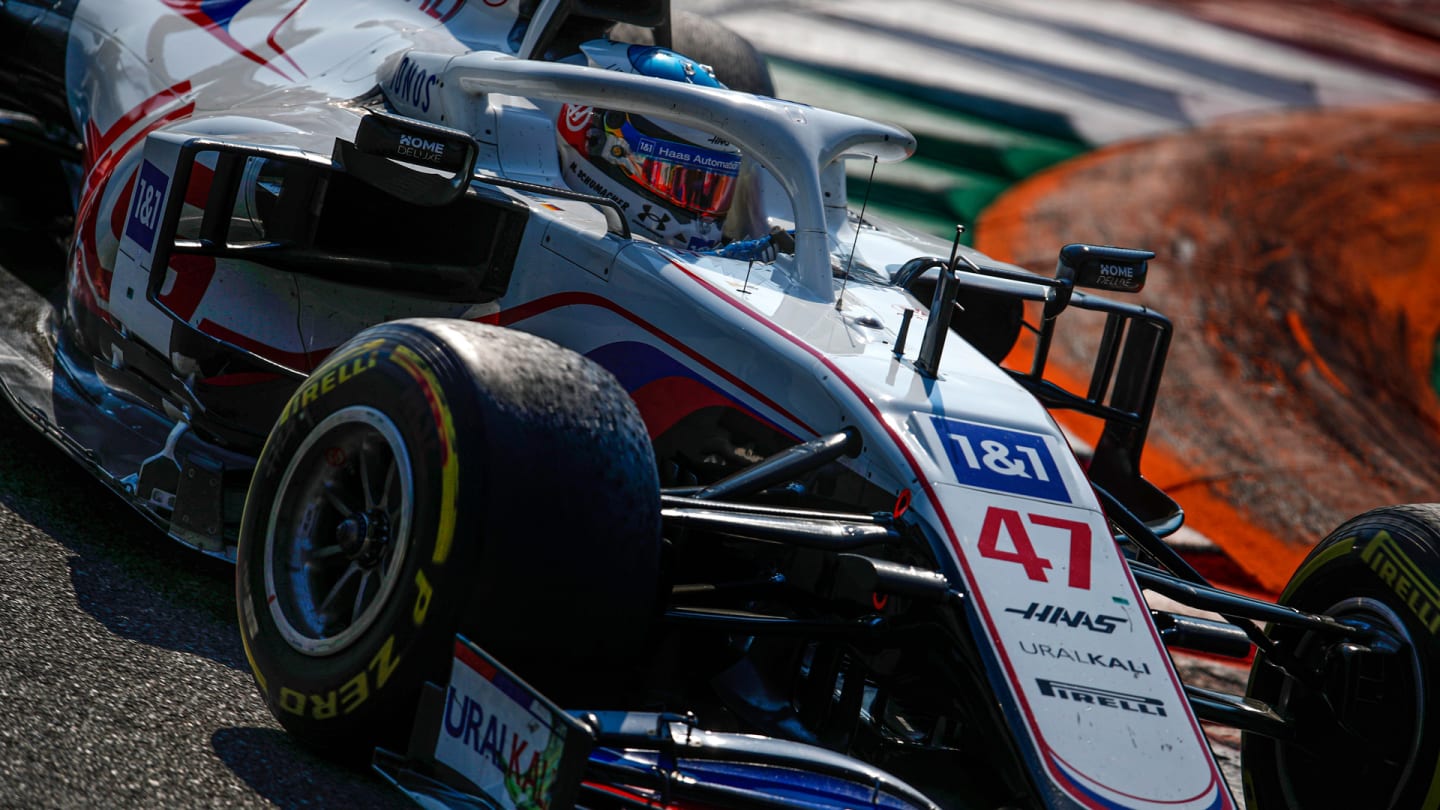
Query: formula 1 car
498	344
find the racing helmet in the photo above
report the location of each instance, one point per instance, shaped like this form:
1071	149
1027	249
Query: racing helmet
673	182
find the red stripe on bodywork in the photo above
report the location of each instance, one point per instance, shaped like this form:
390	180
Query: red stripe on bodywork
97	142
197	193
192	279
192	12
1210	788
100	154
275	45
97	179
666	401
117	214
475	662
639	798
304	361
539	306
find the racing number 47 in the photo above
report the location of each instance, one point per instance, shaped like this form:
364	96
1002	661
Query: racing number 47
1022	550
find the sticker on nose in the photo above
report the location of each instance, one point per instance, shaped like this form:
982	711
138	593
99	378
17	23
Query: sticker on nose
1005	460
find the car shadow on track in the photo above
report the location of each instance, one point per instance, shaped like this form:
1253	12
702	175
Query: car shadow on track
125	572
126	682
171	613
282	772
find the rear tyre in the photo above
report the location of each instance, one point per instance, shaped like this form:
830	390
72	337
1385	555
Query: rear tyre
434	477
1369	736
737	64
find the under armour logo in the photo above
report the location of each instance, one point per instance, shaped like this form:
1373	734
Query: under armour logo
650	219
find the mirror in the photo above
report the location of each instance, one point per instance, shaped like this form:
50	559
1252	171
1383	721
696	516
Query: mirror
1101	267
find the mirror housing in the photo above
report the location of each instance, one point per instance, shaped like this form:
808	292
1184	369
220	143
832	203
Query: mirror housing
1100	267
382	139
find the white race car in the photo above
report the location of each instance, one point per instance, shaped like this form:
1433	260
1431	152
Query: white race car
491	318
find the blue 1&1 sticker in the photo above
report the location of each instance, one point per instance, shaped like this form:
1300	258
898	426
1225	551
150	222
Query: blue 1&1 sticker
1005	460
145	204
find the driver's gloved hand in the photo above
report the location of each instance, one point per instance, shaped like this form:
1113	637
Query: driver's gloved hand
763	249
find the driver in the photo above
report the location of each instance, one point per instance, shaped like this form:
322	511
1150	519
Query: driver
674	183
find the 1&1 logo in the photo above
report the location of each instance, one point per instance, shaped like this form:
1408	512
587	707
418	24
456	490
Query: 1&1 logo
145	204
1013	461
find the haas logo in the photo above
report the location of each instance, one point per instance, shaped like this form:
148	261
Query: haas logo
576	117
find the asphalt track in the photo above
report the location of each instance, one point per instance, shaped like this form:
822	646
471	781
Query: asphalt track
122	678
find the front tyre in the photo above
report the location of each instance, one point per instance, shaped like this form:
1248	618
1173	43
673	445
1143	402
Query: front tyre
434	477
1369	735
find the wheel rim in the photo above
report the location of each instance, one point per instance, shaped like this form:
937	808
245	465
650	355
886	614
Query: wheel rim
338	532
1303	778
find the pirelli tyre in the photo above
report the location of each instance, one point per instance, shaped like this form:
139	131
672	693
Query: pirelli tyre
435	476
1368	733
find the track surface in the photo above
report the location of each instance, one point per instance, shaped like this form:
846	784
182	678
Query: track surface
122	678
1299	255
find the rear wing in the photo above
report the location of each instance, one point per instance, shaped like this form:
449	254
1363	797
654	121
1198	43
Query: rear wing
798	144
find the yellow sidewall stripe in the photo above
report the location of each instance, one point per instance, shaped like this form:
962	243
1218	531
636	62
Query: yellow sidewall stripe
450	467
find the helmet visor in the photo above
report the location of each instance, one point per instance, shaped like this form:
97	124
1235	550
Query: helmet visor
695	178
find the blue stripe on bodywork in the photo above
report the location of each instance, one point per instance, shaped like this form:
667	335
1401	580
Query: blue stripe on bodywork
222	11
638	364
